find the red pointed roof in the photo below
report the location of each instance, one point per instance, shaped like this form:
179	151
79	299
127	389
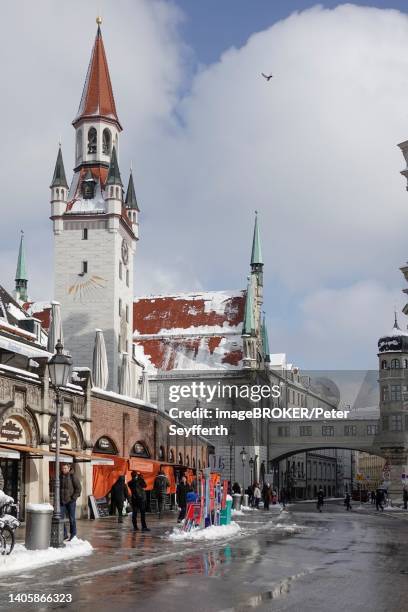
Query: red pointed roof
97	97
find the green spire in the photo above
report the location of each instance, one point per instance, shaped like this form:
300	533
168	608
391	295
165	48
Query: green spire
59	179
113	172
256	256
130	200
21	273
265	340
249	319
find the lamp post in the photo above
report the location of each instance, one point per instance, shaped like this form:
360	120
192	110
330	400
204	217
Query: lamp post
196	421
231	435
59	368
243	455
251	466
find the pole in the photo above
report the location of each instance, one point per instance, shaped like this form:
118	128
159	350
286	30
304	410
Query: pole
57	533
230	464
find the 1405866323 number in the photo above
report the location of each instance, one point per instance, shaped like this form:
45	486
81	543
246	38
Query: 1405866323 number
40	598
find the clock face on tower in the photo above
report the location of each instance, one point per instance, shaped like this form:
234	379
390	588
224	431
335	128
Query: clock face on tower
125	252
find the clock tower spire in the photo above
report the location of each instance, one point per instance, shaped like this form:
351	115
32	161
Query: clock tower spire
95	234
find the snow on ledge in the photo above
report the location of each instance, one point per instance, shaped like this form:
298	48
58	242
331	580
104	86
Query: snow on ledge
215	532
23	559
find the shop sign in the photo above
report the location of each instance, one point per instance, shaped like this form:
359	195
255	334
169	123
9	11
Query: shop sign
12	431
65	439
104	445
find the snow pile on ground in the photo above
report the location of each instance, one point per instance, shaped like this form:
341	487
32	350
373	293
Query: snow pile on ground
247	508
237	513
388	508
23	559
215	532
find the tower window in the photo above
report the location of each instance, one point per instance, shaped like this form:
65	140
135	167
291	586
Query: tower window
120	306
127	278
119	344
106	141
79	145
84	267
92	140
395	364
120	270
127	313
85	233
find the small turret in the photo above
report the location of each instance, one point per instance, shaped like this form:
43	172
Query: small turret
131	204
114	186
59	187
248	330
21	279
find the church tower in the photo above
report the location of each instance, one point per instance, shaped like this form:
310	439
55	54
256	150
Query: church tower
252	331
95	229
20	292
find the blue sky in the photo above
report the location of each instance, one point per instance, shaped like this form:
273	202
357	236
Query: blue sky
212	26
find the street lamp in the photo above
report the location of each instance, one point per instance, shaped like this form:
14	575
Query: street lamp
251	465
243	455
59	368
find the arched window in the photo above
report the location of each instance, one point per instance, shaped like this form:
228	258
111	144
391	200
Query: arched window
79	145
199	464
140	449
106	141
92	140
194	463
162	453
187	461
105	445
395	363
180	459
171	456
57	193
384	364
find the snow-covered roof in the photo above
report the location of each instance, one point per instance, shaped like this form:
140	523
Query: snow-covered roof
189	331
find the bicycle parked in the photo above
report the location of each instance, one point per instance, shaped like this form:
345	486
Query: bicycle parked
8	525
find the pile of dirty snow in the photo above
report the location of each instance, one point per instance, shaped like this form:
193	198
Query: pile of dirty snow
215	532
23	559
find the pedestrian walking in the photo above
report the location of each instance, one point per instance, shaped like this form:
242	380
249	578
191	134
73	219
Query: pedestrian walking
250	493
181	497
266	495
320	499
282	498
137	488
119	493
236	488
257	495
379	500
405	498
70	490
347	501
160	488
373	497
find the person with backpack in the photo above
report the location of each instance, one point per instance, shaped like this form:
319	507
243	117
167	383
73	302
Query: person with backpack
160	487
70	490
137	488
119	492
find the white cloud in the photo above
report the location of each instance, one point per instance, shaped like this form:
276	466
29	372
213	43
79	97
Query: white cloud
313	150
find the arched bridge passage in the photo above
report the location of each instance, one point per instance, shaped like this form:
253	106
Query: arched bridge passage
288	437
292	453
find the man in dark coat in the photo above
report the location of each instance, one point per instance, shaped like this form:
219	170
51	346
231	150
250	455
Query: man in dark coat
119	492
379	499
70	490
160	488
236	488
138	499
181	497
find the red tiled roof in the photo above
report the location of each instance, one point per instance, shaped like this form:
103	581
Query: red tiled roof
97	96
190	331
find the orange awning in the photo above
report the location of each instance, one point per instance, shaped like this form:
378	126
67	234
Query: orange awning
23	448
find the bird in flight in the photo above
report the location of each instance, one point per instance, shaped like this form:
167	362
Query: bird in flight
267	76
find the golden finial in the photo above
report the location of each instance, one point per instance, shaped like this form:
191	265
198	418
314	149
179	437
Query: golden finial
99	20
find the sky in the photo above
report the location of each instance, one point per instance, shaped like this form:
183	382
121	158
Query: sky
313	150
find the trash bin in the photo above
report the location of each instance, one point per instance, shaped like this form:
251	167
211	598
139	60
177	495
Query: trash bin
245	500
225	517
38	526
236	503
